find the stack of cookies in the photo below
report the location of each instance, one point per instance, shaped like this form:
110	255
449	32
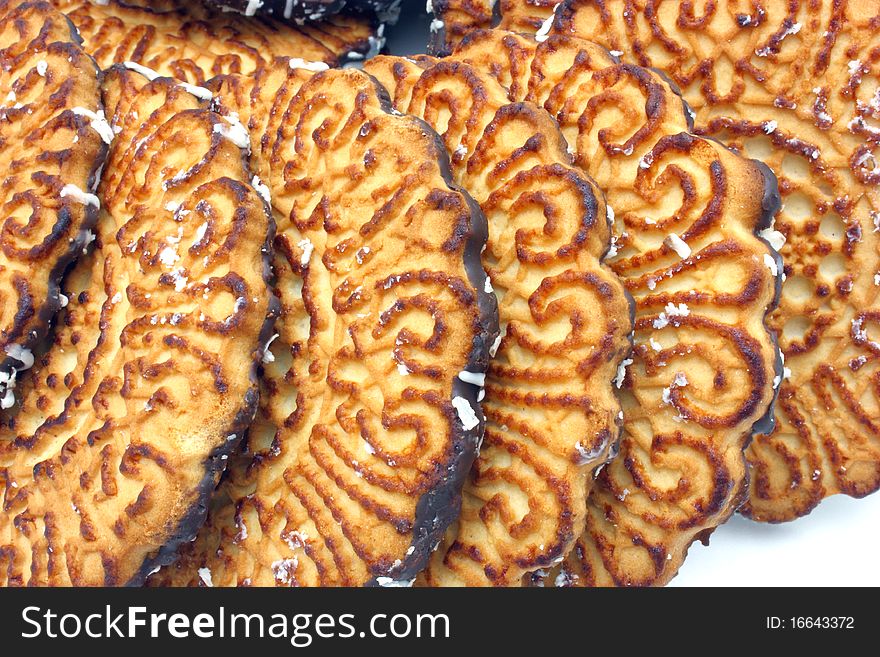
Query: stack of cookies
542	307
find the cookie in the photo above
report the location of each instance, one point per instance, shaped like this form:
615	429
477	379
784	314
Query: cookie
370	418
704	366
797	87
191	43
53	137
551	409
150	381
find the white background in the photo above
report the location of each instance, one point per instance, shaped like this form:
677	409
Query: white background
836	545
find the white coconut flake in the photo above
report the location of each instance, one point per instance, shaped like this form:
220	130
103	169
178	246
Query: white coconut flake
42	67
252	7
678	245
198	92
147	72
586	455
487	286
307	249
7	383
476	378
671	310
21	354
436	25
78	195
205	576
465	413
361	254
261	188
612	248
200	232
402	369
656	346
858	331
284	570
234	131
494	348
168	256
773	237
268	356
544	31
297	63
621	372
390	582
770	263
295	539
769	127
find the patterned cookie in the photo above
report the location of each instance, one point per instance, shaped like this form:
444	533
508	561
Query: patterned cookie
53	137
193	44
705	367
796	85
370	417
130	416
552	414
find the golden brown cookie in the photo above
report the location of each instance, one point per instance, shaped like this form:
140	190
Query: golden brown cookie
704	365
798	86
53	137
369	419
151	378
551	409
191	43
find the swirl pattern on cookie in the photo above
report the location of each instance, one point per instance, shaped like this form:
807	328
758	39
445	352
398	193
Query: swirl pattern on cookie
150	381
192	43
370	417
53	138
796	85
704	363
552	413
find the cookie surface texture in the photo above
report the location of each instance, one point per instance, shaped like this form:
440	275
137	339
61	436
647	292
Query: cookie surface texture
129	418
552	413
797	86
192	43
704	365
53	138
369	420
